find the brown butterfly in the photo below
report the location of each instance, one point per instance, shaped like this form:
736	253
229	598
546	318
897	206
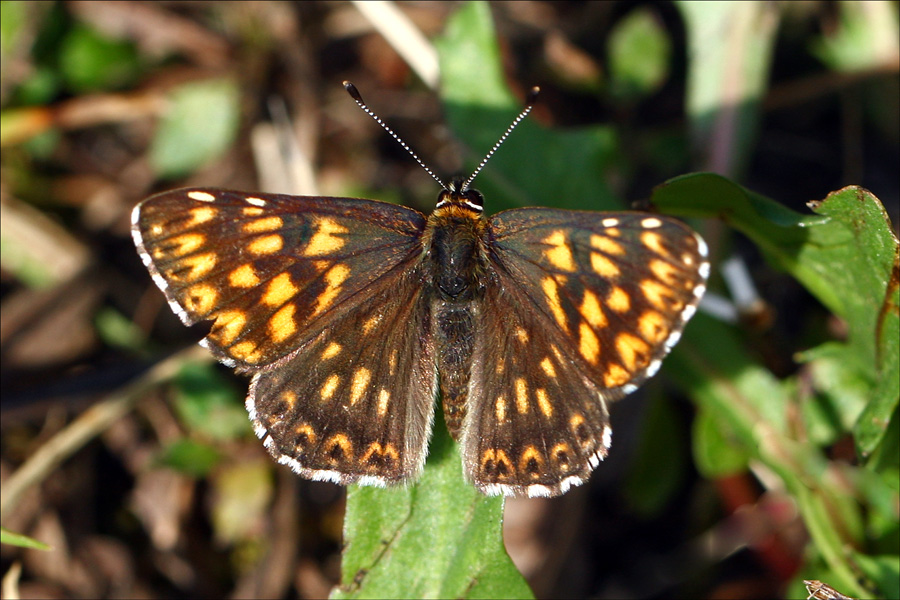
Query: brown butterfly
350	314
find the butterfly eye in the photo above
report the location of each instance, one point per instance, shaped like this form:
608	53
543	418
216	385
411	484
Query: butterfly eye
474	199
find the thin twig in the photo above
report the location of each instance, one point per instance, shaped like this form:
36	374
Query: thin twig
86	427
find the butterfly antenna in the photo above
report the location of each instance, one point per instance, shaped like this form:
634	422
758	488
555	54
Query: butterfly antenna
357	97
529	104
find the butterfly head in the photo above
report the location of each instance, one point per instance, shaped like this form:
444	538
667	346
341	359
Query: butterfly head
457	194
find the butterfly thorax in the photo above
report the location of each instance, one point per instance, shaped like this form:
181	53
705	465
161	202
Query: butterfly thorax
456	251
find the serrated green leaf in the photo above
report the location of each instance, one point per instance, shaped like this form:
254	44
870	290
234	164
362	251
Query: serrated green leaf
872	426
535	167
199	125
845	255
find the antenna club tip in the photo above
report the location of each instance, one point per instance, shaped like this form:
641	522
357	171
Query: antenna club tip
532	96
351	89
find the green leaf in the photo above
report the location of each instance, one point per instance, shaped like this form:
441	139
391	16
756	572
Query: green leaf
751	403
846	255
886	457
536	166
872	426
23	541
639	53
208	404
90	61
883	571
843	390
40	87
865	38
728	383
438	538
843	256
115	329
199	125
13	15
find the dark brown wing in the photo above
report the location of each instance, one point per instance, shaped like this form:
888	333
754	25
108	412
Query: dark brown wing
270	270
580	308
321	298
355	404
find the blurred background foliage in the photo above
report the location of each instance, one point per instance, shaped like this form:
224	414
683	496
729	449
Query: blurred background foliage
765	452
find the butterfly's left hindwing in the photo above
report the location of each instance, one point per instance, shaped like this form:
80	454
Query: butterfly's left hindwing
270	270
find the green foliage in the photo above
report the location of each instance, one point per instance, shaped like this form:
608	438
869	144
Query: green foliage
660	464
437	538
867	36
91	62
847	256
244	494
730	48
536	166
189	457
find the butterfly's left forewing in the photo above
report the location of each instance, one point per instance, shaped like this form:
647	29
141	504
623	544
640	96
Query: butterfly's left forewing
579	309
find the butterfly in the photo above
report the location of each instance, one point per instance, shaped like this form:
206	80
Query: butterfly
352	314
